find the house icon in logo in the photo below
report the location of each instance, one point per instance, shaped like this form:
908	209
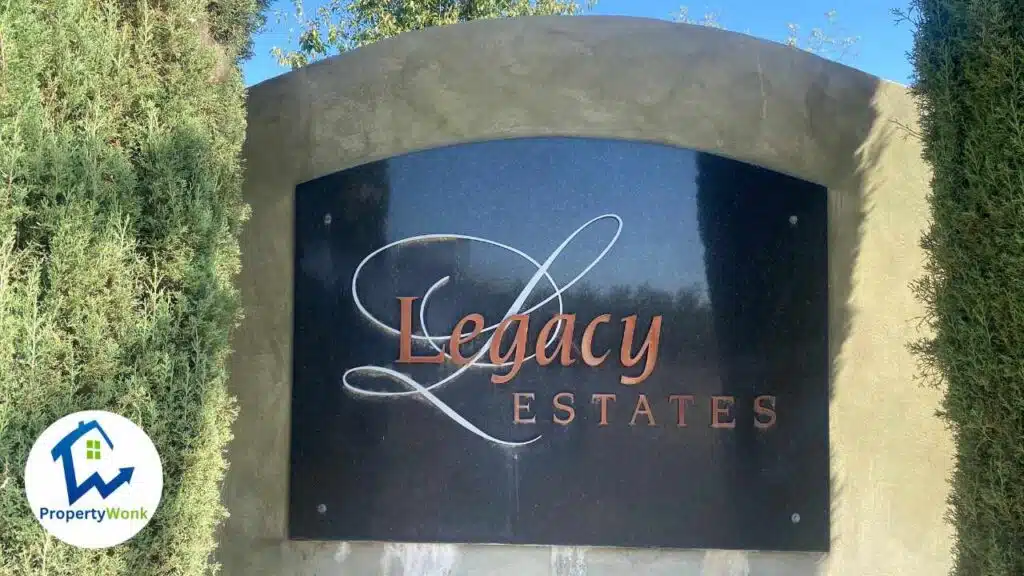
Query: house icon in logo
64	451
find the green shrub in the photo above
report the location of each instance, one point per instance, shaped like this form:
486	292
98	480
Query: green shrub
121	124
969	63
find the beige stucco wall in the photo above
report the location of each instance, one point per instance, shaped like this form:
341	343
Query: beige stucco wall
621	78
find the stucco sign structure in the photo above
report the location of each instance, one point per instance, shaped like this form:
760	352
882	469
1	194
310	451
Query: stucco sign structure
729	227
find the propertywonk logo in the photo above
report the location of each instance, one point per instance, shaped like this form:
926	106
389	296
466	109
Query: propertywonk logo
93	479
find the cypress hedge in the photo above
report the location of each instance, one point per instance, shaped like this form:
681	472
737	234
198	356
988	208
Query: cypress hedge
121	124
968	58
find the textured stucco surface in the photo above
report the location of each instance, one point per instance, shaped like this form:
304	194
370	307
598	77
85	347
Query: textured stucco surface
613	78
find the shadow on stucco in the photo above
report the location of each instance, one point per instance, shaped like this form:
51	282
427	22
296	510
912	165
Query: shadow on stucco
850	204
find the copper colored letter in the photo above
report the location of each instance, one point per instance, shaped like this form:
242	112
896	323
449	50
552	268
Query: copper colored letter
405	337
564	343
564	407
682	400
458	338
603	400
642	407
717	410
587	347
648	350
518	350
518	407
764	406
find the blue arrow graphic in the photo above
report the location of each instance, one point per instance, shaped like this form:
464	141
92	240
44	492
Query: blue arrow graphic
76	491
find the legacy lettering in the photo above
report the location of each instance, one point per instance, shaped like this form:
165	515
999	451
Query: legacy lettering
516	354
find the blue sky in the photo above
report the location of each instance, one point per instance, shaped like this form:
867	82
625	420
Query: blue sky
881	50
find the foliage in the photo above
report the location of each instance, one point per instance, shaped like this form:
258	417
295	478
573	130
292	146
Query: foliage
968	59
830	41
121	125
709	19
340	25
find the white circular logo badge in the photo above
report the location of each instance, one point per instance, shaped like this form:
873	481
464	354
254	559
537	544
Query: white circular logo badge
93	479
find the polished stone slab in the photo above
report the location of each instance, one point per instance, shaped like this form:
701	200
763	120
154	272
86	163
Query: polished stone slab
683	404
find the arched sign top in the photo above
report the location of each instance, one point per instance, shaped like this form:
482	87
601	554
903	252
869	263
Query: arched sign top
593	76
